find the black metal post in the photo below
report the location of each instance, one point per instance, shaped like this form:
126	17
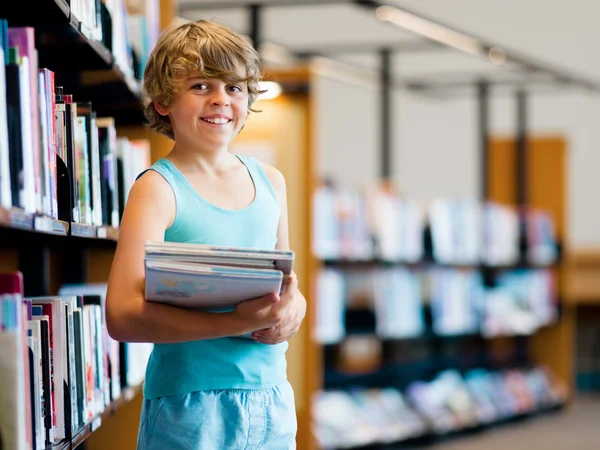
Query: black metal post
521	156
484	125
386	112
255	25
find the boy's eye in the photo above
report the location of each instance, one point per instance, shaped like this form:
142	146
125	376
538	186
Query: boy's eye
200	86
235	89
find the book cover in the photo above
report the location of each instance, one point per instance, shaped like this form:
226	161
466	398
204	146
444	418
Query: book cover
16	425
15	138
200	286
53	307
49	415
23	38
5	189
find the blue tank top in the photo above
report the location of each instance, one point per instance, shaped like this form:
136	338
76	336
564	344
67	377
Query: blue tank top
225	363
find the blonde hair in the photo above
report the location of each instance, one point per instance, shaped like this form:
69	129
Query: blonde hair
212	50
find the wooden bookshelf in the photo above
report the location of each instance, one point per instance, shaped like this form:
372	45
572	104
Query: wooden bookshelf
52	252
17	221
82	435
65	47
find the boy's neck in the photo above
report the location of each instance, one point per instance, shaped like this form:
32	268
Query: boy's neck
198	160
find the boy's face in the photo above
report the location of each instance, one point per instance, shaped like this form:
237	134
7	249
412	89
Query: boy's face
208	112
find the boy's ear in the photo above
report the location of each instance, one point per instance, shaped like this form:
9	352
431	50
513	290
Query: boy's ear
162	110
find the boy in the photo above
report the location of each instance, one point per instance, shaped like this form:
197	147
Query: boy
206	388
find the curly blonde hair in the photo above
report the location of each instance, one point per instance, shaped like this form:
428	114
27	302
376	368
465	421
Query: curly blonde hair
212	50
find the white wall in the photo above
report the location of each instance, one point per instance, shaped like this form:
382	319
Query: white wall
435	141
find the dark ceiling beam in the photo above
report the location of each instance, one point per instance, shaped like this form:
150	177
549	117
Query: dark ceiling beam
416	83
364	48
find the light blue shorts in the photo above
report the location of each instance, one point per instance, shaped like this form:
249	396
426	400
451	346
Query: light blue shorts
233	419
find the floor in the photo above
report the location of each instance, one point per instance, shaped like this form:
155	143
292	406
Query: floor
576	427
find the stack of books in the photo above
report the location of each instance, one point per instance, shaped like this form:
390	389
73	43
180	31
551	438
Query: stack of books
200	276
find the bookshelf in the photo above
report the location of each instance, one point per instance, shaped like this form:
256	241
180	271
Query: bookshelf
317	359
51	252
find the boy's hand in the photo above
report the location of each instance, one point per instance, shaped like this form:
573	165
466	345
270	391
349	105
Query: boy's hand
293	311
259	313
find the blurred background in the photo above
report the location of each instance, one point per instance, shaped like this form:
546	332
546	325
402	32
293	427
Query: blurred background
441	164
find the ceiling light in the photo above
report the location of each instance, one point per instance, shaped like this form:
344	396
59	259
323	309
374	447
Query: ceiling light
430	30
497	56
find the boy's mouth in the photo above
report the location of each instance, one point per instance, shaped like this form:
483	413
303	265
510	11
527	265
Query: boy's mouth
216	120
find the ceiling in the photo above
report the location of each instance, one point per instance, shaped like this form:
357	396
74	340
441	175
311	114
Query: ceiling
351	33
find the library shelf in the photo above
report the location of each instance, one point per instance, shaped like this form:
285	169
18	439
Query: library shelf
85	67
109	233
83	230
127	395
14	221
430	439
375	263
15	218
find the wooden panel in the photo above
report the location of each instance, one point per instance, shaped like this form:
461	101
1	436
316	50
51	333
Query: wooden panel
546	184
547	172
9	260
555	347
287	146
546	175
501	172
120	431
168	11
582	277
99	264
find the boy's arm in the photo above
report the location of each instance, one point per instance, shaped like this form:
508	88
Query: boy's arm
149	212
295	312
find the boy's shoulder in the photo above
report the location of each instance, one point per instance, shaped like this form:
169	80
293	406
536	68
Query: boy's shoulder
275	176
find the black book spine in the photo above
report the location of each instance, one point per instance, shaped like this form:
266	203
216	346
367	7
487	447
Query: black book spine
15	138
46	380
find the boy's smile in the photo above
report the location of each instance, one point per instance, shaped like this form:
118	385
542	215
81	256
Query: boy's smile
217	119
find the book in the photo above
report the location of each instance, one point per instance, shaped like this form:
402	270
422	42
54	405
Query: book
15	396
206	276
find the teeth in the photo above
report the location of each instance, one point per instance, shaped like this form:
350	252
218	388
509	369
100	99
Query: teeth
217	120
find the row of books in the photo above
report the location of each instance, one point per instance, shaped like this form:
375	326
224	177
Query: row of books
143	29
450	402
380	224
59	368
57	158
125	27
520	302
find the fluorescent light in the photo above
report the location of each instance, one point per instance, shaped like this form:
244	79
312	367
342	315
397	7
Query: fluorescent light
430	30
273	90
345	73
497	56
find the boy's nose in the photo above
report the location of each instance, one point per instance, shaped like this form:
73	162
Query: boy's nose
220	98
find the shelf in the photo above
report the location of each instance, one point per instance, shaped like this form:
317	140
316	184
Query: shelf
48	225
427	262
109	233
85	231
15	221
127	394
15	218
431	439
86	431
64	46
